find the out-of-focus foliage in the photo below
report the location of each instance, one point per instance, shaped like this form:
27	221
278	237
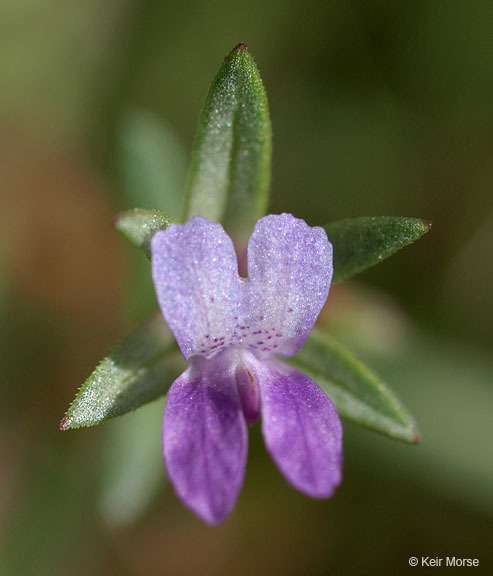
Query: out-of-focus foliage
152	163
132	465
377	108
452	376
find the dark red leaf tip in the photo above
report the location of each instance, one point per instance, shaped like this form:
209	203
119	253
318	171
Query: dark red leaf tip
241	46
63	424
429	223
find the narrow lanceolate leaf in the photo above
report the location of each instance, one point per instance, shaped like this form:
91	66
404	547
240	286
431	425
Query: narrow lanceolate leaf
357	393
230	171
363	242
139	369
139	225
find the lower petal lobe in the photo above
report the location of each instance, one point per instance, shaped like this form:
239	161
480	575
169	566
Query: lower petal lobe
301	429
205	439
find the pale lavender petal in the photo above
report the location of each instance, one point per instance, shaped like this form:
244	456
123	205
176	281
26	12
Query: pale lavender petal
290	270
205	438
302	430
195	274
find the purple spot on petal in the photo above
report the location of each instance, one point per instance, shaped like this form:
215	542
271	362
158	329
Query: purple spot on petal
211	299
260	342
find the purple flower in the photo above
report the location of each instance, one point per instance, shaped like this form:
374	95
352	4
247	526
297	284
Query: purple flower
232	329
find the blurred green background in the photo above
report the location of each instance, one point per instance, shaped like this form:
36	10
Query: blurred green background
378	108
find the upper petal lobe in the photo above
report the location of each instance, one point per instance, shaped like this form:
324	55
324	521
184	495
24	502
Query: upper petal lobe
289	270
209	307
195	274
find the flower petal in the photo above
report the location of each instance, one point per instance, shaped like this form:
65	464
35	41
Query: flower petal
195	274
302	430
205	439
247	383
290	270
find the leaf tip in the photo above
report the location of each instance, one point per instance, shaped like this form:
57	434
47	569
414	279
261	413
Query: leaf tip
428	224
63	424
240	46
416	437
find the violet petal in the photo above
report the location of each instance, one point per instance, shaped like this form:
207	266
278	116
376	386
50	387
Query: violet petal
205	439
301	429
290	270
209	307
195	274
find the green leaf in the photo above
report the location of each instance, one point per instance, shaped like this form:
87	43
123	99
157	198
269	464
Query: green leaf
363	242
139	225
357	393
230	170
152	163
139	369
